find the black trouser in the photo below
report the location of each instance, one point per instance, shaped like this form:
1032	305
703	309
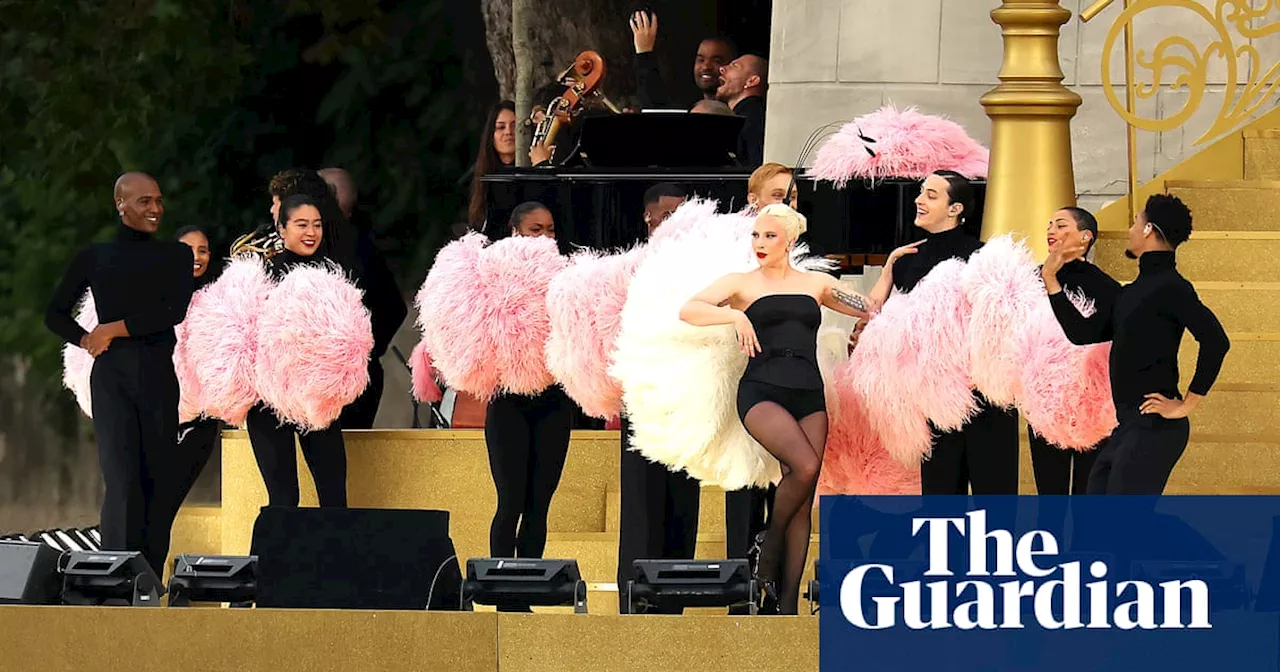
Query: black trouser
746	514
528	441
659	517
1140	455
273	447
196	440
135	418
982	455
1060	471
361	413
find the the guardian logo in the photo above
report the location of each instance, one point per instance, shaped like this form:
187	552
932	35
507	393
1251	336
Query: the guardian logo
1054	590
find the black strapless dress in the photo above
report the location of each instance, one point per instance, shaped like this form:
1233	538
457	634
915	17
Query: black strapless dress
785	371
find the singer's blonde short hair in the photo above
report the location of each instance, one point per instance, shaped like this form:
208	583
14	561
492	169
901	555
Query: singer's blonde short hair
793	223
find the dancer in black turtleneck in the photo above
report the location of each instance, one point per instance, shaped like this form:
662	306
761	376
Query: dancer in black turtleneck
1145	329
141	287
302	229
1058	471
982	455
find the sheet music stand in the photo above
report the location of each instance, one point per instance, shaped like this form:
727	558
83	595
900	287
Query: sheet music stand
660	140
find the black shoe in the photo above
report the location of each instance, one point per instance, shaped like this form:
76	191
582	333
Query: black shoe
768	599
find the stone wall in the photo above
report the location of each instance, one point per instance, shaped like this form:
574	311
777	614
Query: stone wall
833	60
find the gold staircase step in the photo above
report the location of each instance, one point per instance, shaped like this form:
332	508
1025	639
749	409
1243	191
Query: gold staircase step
1208	466
1262	154
710	510
1230	205
1213	256
1243	306
1254	359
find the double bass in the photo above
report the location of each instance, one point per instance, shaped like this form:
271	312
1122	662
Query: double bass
582	82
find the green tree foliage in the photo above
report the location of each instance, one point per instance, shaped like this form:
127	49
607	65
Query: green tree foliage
90	89
212	98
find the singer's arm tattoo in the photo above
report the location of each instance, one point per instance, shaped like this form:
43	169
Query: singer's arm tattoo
851	300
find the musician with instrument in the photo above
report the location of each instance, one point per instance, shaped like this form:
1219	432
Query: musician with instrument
713	54
575	93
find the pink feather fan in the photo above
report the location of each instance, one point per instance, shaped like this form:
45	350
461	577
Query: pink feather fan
1066	388
190	391
450	318
314	342
907	144
423	372
221	339
1003	285
911	365
584	304
78	366
855	462
483	313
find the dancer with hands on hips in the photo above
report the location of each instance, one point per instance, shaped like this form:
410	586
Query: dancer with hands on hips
776	311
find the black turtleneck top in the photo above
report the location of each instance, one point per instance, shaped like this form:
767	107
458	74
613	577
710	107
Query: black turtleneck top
285	260
910	269
1145	328
135	278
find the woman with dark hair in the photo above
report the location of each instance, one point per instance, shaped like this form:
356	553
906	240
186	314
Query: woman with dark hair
339	241
982	455
196	438
497	150
528	440
302	229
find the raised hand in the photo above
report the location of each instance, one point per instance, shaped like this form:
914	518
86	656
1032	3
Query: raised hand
644	31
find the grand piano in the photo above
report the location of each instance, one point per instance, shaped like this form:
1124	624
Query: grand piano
597	199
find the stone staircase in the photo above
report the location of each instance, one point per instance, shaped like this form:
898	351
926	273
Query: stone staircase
1233	259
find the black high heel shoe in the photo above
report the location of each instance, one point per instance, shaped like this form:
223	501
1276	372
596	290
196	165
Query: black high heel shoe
768	599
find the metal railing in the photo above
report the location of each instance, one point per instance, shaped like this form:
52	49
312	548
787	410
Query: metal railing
1248	85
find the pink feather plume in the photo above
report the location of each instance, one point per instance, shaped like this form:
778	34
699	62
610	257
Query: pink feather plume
1003	285
450	318
221	339
314	343
77	364
911	368
855	462
1066	388
584	304
907	144
191	392
483	313
425	388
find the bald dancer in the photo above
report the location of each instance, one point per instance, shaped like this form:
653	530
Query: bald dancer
141	287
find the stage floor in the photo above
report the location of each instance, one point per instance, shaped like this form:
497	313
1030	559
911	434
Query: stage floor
62	639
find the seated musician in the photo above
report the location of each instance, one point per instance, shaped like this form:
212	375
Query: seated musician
713	54
497	151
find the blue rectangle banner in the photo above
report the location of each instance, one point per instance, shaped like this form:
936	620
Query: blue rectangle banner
1001	584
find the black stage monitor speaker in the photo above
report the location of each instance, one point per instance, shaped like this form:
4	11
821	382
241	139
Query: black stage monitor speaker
520	583
332	558
690	583
110	578
213	578
29	573
660	140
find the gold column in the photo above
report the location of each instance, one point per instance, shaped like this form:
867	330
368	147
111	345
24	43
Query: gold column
1030	174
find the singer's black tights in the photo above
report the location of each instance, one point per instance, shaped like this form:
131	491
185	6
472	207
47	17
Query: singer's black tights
798	445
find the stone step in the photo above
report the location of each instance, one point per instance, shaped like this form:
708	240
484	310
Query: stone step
1262	154
1230	205
1215	256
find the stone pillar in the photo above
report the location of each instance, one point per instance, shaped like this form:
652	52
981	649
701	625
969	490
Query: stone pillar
1031	173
